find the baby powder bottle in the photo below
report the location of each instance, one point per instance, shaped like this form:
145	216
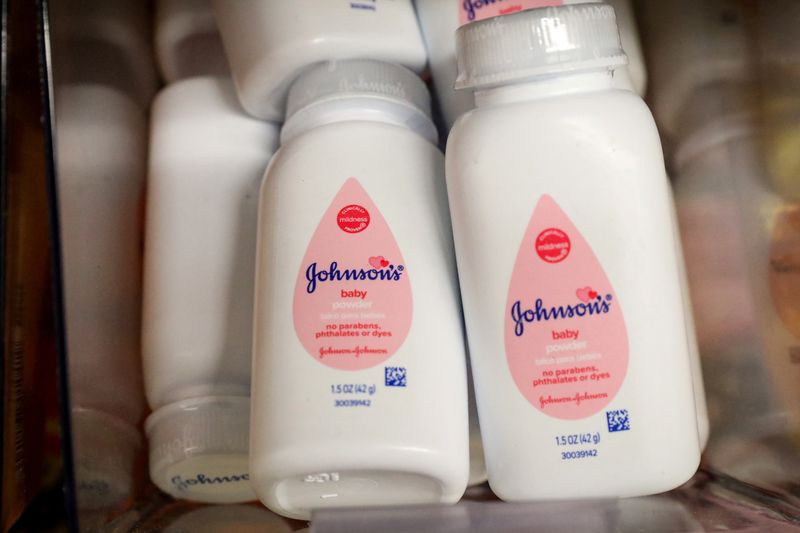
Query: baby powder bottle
440	19
187	40
359	375
206	161
568	265
270	43
101	142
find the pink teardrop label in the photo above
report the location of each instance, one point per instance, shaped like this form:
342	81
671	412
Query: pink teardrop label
352	301
566	340
472	10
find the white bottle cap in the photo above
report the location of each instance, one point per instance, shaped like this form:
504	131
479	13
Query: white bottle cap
355	78
538	42
105	453
392	89
199	449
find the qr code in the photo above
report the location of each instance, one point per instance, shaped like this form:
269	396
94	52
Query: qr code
618	420
395	376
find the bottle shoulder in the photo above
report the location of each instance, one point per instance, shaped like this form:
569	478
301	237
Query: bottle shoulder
356	140
617	117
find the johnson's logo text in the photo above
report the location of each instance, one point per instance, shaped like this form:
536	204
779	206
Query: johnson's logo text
598	305
471	7
202	479
380	269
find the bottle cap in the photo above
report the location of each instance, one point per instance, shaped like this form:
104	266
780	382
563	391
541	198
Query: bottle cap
538	42
325	94
358	78
199	449
106	449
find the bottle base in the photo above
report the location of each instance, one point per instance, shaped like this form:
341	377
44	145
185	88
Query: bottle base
626	488
296	497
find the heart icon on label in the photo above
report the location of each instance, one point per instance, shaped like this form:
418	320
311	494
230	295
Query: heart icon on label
585	294
378	262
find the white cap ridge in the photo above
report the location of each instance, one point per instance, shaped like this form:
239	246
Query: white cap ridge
358	90
199	449
358	77
538	42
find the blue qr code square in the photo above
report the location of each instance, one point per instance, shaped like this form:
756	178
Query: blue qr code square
396	376
619	420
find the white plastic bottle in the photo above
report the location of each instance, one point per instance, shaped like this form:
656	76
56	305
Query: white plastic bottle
187	40
359	375
440	19
206	161
101	151
270	43
563	229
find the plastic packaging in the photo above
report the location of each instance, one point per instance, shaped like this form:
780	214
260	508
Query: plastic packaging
270	43
359	375
101	157
206	162
580	253
188	43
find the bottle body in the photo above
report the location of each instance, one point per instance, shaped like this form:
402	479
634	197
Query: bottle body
388	426
201	228
268	44
568	267
206	162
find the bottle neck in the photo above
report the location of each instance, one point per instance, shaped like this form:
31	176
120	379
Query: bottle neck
359	109
546	87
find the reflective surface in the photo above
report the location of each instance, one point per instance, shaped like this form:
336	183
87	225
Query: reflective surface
704	504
